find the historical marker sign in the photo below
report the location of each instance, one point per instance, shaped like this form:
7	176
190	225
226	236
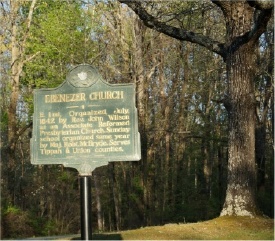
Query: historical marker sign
85	123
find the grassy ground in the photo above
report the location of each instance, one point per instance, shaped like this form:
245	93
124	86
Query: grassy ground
222	228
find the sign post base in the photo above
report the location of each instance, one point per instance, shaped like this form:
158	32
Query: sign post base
85	207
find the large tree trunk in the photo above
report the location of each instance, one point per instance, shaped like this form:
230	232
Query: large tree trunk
240	62
240	194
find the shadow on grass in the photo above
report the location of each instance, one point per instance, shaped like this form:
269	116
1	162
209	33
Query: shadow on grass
112	236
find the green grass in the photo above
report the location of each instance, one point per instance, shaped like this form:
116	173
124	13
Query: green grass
222	228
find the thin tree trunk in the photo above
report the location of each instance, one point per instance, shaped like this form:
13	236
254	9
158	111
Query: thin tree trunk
18	43
100	222
115	195
18	59
141	98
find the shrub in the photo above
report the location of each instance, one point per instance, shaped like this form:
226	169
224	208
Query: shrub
16	224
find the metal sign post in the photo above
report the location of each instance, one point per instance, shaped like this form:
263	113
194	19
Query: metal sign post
85	207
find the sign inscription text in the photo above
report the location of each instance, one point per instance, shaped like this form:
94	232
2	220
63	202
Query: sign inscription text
85	127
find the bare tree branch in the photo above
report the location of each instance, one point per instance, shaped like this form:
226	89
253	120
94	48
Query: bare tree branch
177	33
260	22
262	4
261	18
31	57
223	5
29	20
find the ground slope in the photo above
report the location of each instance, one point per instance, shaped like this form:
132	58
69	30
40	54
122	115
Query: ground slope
222	228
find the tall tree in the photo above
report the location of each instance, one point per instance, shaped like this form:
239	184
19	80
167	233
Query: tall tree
18	16
245	22
19	38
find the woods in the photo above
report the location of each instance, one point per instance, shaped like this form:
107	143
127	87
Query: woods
204	74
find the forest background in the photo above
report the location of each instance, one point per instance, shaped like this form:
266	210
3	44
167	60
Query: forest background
182	175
